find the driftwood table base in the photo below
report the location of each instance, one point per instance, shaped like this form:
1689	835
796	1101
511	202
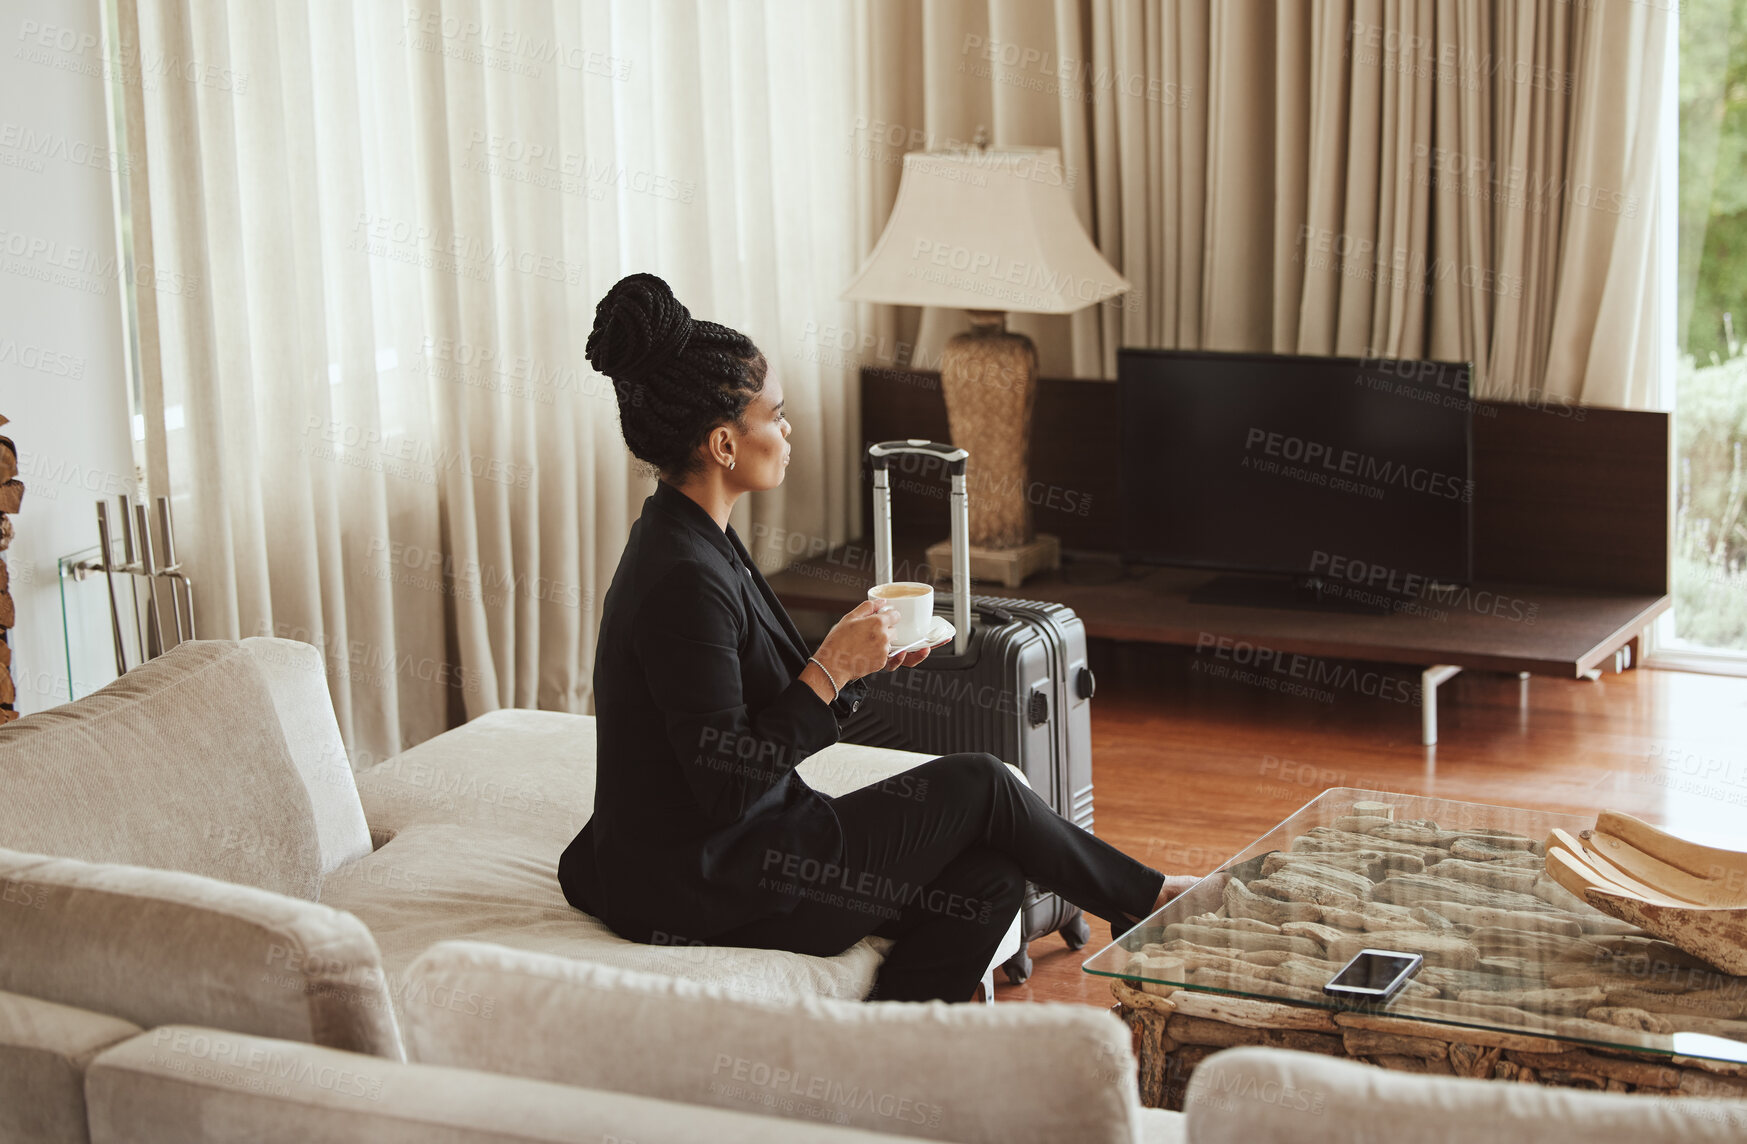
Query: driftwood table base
1174	1034
1521	980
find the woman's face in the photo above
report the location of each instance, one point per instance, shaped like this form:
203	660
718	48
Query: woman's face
761	450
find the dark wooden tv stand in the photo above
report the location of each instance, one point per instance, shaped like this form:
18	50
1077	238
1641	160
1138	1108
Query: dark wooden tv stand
1571	518
1499	627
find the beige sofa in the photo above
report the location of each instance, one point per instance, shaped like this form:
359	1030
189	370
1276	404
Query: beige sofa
190	846
182	1085
532	1037
1019	1072
167	971
671	1060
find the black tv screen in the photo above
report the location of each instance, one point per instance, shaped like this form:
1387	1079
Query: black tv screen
1311	466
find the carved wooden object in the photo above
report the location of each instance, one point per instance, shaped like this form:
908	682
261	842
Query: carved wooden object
11	497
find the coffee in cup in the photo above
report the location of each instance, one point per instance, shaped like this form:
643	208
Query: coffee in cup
914	602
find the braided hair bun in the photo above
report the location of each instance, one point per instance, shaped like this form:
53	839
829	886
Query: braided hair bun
676	377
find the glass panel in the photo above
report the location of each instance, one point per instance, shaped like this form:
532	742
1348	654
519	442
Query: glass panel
86	626
1505	947
1710	388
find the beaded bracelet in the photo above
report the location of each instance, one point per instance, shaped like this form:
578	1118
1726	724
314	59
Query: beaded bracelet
835	690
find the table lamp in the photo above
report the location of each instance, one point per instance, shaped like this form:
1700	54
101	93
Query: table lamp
989	230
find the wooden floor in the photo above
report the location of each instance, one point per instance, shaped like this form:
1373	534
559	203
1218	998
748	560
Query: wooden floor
1189	769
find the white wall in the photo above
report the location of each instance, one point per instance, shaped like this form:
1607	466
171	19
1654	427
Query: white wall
61	366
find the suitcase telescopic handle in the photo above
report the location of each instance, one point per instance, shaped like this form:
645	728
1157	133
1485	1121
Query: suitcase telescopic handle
951	454
954	458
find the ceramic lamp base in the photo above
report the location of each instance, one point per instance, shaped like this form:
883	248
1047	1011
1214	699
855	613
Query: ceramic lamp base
989	378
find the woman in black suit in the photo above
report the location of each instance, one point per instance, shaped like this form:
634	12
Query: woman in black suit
706	700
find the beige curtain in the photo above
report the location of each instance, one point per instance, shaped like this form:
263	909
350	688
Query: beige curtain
369	400
1459	179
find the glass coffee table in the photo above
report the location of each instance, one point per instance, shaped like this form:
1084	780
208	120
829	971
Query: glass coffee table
1521	980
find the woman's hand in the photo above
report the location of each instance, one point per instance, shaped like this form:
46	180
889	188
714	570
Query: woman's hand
857	644
907	658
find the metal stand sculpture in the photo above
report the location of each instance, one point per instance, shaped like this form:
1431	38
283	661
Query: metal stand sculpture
139	559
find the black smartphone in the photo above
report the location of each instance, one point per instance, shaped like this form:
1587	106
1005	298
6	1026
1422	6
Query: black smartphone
1374	975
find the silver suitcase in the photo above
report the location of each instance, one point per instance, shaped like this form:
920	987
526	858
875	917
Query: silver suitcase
1014	682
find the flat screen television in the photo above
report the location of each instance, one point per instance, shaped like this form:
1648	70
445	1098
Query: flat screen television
1306	467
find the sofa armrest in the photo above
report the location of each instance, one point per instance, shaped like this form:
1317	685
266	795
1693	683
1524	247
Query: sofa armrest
930	1069
1240	1096
44	1049
184	1085
161	947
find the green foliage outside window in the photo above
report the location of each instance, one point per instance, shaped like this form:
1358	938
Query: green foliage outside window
1710	400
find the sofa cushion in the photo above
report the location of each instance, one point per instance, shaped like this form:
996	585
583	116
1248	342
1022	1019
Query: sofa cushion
513	771
157	947
297	681
179	764
182	1085
532	772
435	882
44	1049
508	791
1241	1096
1010	1073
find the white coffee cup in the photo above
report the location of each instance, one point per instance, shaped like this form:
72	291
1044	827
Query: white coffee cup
914	602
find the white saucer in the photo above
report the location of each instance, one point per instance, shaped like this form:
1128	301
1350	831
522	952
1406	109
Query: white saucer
939	632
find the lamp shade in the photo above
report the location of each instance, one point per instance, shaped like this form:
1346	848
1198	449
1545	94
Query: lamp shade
985	230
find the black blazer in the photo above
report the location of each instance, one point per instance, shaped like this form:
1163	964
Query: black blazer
700	720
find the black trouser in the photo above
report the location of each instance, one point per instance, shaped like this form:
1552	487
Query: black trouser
937	857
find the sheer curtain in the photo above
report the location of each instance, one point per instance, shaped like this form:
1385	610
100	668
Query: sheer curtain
389	226
1468	179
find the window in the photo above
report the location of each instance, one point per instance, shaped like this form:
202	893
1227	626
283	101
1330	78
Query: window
1710	378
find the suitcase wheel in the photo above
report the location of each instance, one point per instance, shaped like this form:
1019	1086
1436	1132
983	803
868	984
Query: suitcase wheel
1018	967
1077	932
